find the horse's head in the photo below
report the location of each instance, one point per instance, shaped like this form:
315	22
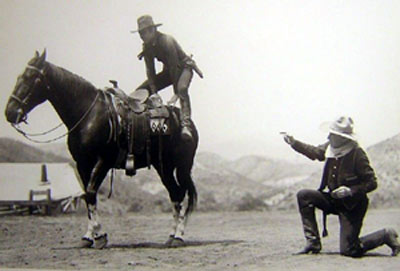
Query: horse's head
30	90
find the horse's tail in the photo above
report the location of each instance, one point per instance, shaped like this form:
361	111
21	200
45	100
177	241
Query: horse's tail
192	197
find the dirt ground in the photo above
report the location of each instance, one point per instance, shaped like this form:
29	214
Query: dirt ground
214	241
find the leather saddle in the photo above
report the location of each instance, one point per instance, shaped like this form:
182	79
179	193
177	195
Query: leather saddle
135	102
139	117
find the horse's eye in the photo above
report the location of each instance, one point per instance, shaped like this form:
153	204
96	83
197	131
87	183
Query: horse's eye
30	74
25	76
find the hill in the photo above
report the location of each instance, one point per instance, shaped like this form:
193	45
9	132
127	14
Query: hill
15	151
272	172
385	158
59	149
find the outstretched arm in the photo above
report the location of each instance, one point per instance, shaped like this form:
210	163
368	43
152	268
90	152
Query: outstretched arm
310	151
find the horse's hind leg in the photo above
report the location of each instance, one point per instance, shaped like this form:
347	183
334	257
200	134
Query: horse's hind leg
176	195
93	236
178	213
181	211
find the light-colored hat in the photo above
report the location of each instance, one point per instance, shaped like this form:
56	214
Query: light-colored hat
144	22
343	126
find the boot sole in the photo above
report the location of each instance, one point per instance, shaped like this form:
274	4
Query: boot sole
314	252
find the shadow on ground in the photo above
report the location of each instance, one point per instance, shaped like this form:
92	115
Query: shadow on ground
369	254
161	245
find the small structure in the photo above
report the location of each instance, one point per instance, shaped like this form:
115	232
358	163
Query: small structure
31	187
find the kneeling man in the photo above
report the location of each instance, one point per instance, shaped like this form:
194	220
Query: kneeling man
348	177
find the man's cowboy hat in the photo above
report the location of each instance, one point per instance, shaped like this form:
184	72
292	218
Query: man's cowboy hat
342	126
144	22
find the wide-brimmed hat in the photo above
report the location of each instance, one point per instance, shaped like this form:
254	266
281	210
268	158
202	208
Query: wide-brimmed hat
144	22
342	126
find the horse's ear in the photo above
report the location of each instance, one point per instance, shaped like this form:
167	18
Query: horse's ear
44	53
36	54
42	58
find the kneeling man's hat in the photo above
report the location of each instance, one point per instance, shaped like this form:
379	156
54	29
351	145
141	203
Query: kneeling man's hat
342	126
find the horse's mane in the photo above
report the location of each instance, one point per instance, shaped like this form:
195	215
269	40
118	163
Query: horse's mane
69	79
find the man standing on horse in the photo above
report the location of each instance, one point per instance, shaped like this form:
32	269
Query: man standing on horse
348	177
177	67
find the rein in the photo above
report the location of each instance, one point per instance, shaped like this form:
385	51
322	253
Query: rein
37	134
28	135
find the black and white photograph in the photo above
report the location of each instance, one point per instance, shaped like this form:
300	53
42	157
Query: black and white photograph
200	135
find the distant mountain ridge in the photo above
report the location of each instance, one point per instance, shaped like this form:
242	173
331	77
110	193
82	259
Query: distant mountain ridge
270	171
59	149
385	158
14	151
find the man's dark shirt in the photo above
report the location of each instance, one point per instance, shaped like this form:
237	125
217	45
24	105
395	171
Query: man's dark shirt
167	50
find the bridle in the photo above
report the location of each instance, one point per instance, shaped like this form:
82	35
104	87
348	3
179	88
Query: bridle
24	102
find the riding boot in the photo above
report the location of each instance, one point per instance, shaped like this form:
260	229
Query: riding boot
382	237
185	117
392	242
310	228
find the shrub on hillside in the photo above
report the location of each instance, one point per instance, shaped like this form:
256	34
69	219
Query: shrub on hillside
250	203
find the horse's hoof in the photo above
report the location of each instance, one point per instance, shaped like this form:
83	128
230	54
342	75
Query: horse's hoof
169	241
177	242
100	241
86	242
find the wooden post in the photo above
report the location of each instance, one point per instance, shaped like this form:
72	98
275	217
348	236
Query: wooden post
44	179
31	199
48	206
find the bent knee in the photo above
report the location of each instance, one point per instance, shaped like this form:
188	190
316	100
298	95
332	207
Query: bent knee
304	194
304	197
354	251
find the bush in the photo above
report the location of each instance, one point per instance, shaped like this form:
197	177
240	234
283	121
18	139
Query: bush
250	203
207	202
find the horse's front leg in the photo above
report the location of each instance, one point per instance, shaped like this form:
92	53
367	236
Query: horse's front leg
94	235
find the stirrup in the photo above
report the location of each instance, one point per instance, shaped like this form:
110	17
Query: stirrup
130	165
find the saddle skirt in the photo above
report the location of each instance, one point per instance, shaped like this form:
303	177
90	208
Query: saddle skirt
136	118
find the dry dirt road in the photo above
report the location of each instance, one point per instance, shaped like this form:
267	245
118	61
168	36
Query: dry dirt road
215	241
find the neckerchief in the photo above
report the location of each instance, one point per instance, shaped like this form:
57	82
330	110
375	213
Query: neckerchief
341	151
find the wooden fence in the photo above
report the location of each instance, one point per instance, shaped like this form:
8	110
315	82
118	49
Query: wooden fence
30	206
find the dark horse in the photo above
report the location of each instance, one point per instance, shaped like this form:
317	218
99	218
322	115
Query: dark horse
84	110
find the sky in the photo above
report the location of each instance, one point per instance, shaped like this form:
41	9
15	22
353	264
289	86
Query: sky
269	66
